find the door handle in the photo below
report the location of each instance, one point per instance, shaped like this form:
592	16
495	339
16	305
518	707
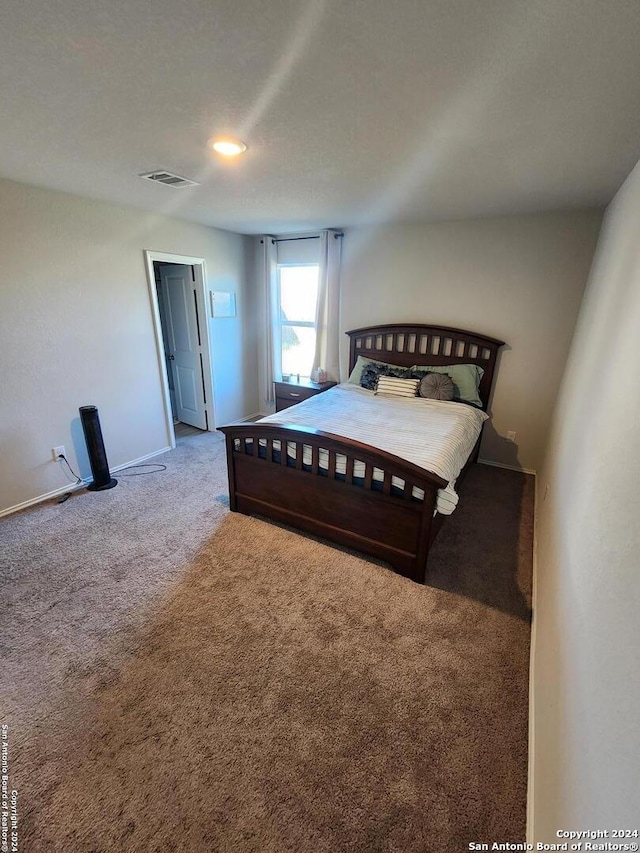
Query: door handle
172	358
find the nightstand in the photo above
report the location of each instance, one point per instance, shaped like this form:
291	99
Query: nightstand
290	393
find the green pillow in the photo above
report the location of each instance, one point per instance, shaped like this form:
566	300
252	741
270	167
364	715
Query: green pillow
465	377
362	362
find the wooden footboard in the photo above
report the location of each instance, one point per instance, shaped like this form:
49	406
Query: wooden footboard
342	490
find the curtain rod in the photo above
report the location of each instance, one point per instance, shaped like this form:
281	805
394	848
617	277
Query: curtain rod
292	239
275	240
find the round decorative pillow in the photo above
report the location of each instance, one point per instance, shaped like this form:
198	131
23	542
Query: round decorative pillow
436	386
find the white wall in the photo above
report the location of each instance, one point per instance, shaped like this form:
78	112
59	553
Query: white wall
519	279
76	329
586	671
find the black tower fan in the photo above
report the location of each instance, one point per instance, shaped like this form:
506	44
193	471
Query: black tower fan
102	478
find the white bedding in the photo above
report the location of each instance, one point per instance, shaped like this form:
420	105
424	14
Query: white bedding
436	436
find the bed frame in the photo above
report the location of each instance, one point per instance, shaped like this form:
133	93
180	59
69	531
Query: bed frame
365	514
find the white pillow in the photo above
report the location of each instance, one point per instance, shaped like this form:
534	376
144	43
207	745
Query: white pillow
397	387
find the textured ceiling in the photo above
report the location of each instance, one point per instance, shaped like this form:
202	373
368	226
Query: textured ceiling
355	111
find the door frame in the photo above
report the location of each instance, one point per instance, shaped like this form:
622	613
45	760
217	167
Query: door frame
198	265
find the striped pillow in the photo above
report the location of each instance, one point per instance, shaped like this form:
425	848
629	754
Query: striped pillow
397	387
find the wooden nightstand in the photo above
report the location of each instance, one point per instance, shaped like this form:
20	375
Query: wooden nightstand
290	393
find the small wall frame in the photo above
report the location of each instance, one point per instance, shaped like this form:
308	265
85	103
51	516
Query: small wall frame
223	303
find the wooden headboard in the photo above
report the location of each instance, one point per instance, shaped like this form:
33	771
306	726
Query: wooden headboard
408	344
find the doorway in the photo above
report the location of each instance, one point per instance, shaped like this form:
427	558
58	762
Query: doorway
176	285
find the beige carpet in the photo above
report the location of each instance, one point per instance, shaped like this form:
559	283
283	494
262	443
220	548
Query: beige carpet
176	677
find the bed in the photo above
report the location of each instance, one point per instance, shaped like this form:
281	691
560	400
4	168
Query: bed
348	491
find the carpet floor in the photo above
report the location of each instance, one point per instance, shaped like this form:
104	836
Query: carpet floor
178	677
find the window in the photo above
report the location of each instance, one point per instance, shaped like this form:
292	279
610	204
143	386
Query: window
297	298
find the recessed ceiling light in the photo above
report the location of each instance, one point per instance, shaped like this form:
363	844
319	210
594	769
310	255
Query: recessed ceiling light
227	147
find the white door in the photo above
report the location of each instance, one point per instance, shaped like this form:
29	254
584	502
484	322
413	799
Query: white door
185	350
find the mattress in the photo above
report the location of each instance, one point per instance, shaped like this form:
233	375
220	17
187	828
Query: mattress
437	436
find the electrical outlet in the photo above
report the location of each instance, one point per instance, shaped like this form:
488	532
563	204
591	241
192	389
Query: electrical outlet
511	436
546	492
58	451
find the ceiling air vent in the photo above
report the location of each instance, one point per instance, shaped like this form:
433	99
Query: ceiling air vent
162	177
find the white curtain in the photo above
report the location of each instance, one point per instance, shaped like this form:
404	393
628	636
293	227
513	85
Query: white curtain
328	308
268	289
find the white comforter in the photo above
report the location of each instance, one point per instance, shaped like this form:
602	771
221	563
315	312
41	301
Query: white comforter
436	436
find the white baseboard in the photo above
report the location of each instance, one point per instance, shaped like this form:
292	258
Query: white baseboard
534	591
252	417
507	467
72	487
532	709
141	459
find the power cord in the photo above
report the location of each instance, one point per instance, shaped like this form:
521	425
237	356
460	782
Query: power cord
66	462
67	495
157	466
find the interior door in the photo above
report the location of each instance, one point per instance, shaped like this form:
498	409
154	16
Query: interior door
185	351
